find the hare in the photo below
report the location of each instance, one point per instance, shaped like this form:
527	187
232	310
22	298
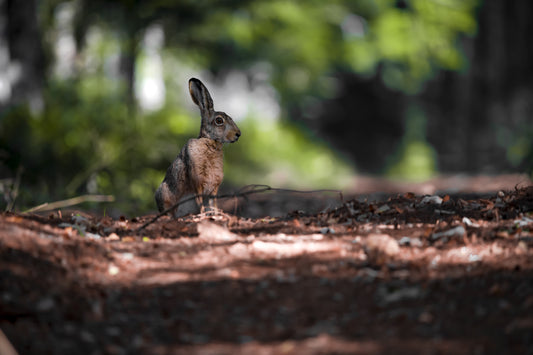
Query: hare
198	168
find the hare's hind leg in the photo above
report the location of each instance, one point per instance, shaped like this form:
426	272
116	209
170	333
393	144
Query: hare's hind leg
165	199
159	199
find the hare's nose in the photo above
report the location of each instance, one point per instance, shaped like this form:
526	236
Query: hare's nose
238	134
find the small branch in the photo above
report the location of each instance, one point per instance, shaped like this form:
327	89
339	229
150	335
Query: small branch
263	188
6	348
71	202
15	189
243	192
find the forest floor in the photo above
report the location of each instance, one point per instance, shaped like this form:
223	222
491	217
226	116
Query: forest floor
393	273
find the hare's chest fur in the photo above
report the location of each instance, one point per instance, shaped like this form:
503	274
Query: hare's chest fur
207	164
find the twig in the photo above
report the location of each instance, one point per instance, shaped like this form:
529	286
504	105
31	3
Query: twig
71	202
6	348
243	192
176	205
15	190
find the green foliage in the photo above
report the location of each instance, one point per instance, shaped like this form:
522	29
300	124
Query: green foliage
518	142
416	162
412	43
415	158
280	154
306	40
88	139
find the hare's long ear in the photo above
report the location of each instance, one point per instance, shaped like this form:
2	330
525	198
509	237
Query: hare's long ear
200	95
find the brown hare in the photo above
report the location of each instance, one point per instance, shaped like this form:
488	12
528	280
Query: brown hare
198	168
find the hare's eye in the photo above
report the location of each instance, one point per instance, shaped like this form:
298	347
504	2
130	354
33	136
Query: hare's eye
219	121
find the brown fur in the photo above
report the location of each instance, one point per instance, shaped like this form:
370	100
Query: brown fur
198	168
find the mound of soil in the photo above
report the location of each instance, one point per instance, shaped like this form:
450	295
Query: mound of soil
407	274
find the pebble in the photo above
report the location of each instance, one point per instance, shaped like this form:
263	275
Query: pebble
525	221
87	337
415	242
113	270
92	236
473	258
113	331
402	294
431	199
379	246
469	223
458	231
45	304
127	256
212	232
521	247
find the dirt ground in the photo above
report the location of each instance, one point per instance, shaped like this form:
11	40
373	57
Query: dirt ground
429	272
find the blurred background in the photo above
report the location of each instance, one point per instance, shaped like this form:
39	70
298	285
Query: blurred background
94	99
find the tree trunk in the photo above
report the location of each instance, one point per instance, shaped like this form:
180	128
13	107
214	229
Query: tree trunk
128	60
26	57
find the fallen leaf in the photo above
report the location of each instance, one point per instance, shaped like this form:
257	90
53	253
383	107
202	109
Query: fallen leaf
113	236
428	231
383	208
489	205
399	210
426	317
502	234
